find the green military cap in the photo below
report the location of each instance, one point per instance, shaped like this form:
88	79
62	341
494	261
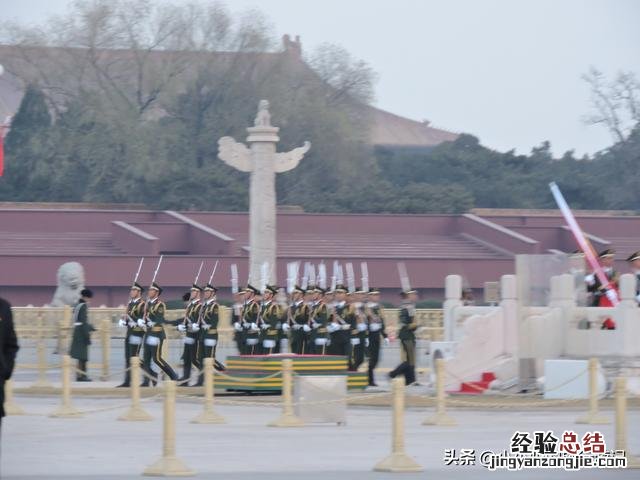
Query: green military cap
298	289
196	287
137	286
156	287
341	289
634	256
210	288
374	291
252	289
320	290
271	288
609	252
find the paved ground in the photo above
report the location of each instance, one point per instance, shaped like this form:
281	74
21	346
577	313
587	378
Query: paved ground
98	447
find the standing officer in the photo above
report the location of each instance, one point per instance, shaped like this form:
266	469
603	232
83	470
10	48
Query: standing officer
339	328
209	318
135	334
153	320
236	321
270	316
298	319
375	321
81	335
191	327
407	336
359	335
607	259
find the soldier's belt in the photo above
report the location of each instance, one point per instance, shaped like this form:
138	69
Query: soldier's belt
322	330
355	331
271	332
156	329
212	330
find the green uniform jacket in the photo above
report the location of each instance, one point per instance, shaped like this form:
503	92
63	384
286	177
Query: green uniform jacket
320	315
155	314
408	324
375	315
135	310
271	315
211	316
250	315
81	332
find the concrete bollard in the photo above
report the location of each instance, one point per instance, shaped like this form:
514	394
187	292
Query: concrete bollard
398	460
66	409
169	465
288	418
208	415
136	413
105	342
10	406
593	417
440	418
621	422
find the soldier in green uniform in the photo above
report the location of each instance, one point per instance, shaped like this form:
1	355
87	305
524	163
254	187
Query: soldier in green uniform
209	318
236	321
81	335
154	321
135	334
407	338
190	326
298	319
340	326
319	318
250	315
359	337
375	320
270	316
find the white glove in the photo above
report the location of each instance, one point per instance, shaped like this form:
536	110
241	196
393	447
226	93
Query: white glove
333	327
122	322
264	326
150	323
297	326
306	328
346	326
386	341
612	295
590	279
366	342
195	327
314	324
362	327
182	328
206	326
237	326
253	326
132	323
141	323
285	327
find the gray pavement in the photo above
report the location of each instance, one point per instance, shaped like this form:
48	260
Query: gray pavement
98	447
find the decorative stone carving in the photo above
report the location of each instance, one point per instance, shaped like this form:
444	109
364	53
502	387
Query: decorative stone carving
70	283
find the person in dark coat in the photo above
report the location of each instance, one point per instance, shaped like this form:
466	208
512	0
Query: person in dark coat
81	335
8	348
407	336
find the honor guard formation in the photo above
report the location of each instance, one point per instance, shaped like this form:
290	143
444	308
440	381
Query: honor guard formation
310	318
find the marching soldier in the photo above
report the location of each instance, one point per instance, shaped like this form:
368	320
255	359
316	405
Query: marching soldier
407	336
135	333
209	317
81	335
191	327
339	328
634	262
236	321
319	316
375	320
250	315
298	320
269	319
598	291
602	294
359	336
153	320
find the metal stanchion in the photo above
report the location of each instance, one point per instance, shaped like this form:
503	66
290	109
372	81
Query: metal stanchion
593	417
169	465
398	460
10	406
440	418
66	409
287	418
136	413
208	415
41	349
105	342
621	422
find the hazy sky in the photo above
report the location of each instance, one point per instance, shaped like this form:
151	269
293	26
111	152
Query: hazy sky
507	71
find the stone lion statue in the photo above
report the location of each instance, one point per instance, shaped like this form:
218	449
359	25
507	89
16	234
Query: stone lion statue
70	282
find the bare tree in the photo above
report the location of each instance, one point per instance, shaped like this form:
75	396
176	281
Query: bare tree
616	103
